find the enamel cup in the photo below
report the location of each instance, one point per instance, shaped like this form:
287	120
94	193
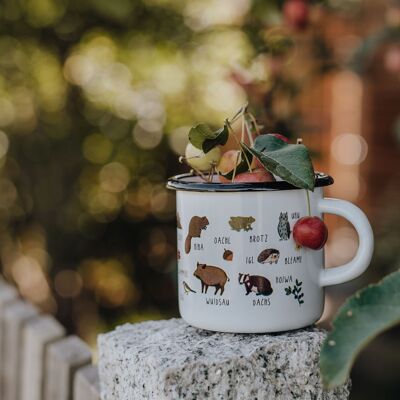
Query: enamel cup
239	269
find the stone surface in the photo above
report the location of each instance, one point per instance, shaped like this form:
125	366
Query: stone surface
37	335
172	360
63	359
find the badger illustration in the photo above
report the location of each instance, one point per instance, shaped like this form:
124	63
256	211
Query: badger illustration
255	283
268	256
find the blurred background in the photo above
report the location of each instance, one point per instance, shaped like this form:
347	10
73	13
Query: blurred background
96	100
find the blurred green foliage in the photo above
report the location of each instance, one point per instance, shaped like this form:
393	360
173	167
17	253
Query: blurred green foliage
96	100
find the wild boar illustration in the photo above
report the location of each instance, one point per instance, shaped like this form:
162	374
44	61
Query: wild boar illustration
211	276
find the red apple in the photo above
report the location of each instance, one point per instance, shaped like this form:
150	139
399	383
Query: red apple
258	175
310	232
228	161
296	13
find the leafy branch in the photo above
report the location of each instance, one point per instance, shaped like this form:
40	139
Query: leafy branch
290	162
296	291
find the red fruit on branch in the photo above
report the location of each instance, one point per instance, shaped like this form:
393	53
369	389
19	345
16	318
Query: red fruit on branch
258	175
310	232
296	13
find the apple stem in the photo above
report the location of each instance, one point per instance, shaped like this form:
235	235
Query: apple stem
254	123
234	170
238	113
239	144
249	134
198	173
245	156
211	174
308	203
243	123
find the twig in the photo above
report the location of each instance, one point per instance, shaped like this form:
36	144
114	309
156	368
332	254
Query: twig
239	144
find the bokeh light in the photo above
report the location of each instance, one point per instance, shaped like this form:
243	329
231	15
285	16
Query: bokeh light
349	149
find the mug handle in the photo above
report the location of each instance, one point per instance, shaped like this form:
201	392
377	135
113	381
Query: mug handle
361	260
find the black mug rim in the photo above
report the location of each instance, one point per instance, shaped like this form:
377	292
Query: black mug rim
180	182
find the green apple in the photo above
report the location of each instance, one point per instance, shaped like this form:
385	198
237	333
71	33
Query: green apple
201	161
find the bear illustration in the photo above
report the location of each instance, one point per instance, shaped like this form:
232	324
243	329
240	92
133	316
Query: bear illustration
211	276
196	225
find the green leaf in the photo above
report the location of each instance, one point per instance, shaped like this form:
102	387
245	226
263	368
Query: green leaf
202	137
291	162
365	315
243	165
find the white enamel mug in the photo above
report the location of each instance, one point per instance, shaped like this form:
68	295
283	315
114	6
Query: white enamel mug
239	269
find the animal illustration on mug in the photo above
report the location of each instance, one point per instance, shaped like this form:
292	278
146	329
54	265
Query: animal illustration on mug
196	226
228	255
284	226
268	256
255	283
211	276
178	221
187	288
241	223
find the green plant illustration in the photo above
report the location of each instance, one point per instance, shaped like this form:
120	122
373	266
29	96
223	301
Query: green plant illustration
369	312
296	291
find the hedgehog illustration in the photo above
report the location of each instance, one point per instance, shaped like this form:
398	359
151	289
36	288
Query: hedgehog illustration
284	226
268	256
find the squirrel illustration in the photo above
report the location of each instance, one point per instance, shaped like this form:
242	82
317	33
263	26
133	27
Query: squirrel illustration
196	225
178	221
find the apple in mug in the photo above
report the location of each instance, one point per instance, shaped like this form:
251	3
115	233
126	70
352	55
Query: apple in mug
257	175
201	161
228	161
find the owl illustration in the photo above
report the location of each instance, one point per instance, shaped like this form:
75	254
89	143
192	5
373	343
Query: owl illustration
284	226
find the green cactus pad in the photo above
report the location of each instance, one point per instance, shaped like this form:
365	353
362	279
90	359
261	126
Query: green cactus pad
365	315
